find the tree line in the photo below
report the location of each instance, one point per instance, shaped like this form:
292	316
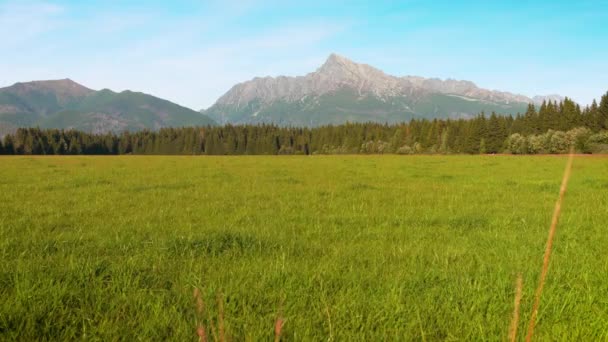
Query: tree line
553	127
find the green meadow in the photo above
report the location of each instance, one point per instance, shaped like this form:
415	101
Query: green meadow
342	248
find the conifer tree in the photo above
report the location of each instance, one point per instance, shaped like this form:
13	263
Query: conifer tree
552	116
397	140
444	146
125	147
530	119
569	116
496	135
602	112
591	117
476	135
9	145
75	147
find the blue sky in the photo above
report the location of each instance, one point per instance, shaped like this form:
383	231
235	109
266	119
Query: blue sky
191	52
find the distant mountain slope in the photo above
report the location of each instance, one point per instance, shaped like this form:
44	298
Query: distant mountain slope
341	90
67	104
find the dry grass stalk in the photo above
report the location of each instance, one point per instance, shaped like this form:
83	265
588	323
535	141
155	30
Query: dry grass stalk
211	326
515	319
202	336
200	307
548	249
331	333
280	321
200	328
220	306
278	326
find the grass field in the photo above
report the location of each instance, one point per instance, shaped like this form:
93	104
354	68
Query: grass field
346	248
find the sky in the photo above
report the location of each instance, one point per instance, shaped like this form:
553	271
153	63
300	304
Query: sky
192	52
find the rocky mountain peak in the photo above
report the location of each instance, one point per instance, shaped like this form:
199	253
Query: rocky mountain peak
337	66
337	61
339	73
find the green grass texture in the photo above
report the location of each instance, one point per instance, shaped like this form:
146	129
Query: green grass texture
344	248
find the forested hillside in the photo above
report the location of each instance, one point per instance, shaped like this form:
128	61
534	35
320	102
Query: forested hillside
65	104
551	128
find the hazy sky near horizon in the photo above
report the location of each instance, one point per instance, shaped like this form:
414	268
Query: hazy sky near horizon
192	52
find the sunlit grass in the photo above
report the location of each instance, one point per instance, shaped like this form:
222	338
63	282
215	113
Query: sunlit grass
349	248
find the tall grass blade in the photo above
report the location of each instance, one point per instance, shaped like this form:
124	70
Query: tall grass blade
549	247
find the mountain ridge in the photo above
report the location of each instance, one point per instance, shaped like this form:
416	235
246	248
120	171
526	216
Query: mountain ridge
256	100
66	104
338	91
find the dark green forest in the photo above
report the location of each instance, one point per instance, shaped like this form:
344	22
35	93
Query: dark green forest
551	128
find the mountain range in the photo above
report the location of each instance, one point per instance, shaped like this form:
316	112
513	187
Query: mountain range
342	90
69	105
337	92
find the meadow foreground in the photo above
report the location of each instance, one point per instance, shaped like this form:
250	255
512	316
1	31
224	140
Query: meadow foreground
342	247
